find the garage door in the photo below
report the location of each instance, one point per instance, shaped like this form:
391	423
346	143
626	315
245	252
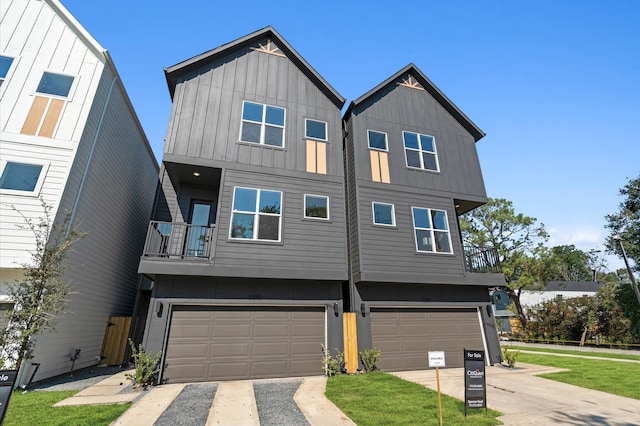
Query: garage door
404	336
229	343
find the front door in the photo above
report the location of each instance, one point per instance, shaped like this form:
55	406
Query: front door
201	217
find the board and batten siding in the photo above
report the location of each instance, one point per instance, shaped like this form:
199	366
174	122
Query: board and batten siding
207	108
113	202
405	109
392	250
312	247
351	198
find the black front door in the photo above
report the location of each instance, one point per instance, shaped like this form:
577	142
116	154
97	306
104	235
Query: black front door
200	219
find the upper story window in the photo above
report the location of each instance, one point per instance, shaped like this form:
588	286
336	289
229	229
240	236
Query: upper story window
314	129
256	214
316	207
377	140
420	151
5	65
21	178
262	124
55	84
383	214
431	230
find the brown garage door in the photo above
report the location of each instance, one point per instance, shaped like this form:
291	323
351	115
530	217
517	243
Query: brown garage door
404	336
229	343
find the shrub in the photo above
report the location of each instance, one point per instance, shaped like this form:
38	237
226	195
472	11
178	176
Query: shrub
510	356
333	366
369	357
146	367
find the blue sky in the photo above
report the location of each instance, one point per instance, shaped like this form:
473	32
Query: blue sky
554	84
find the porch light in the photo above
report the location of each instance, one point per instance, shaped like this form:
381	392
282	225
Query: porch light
196	174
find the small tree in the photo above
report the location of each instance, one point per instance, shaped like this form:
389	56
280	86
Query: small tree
40	296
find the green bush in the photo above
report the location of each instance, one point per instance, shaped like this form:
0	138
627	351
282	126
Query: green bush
510	356
332	365
369	358
146	367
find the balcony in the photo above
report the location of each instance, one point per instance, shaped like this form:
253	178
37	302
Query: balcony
482	260
178	241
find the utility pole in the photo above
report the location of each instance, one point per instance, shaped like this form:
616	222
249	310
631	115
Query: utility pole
634	284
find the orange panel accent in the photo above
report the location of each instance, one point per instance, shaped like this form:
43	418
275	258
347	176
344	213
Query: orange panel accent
51	119
322	157
34	117
311	156
375	166
384	167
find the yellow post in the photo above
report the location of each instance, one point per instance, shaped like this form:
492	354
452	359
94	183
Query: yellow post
350	342
439	399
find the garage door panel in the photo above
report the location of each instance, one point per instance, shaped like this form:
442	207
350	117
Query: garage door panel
449	330
192	330
254	342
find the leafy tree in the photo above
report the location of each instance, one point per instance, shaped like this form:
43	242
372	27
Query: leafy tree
573	264
526	263
40	296
626	223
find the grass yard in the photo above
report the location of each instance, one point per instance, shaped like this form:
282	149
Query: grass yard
382	399
574	352
36	408
618	378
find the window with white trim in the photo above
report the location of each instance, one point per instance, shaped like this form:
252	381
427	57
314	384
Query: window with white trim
383	214
316	206
256	214
20	178
420	151
431	229
377	140
55	84
5	65
314	129
262	124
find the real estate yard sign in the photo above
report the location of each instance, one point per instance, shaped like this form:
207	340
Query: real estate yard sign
7	380
475	383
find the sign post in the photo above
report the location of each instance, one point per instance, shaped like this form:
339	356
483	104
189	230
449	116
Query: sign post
7	380
475	383
436	359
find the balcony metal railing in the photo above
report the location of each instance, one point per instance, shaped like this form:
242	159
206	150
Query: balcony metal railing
178	240
482	259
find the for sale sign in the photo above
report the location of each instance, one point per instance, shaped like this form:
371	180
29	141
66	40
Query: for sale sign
475	384
7	380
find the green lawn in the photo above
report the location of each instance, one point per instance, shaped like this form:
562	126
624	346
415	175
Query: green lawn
36	408
382	399
574	352
618	378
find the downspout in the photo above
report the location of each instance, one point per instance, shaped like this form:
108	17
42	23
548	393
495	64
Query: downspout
93	146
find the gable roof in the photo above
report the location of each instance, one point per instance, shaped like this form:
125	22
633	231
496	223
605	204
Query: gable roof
172	73
581	286
431	88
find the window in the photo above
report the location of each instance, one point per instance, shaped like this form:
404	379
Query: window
256	214
55	84
431	230
5	65
317	157
22	178
315	129
377	140
316	207
262	124
383	214
420	151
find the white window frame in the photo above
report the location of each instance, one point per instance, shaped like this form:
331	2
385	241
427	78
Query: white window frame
386	140
263	124
10	71
72	89
326	130
304	207
421	151
373	213
431	230
256	215
39	182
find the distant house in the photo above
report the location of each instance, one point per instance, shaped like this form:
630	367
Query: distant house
278	222
560	290
70	137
